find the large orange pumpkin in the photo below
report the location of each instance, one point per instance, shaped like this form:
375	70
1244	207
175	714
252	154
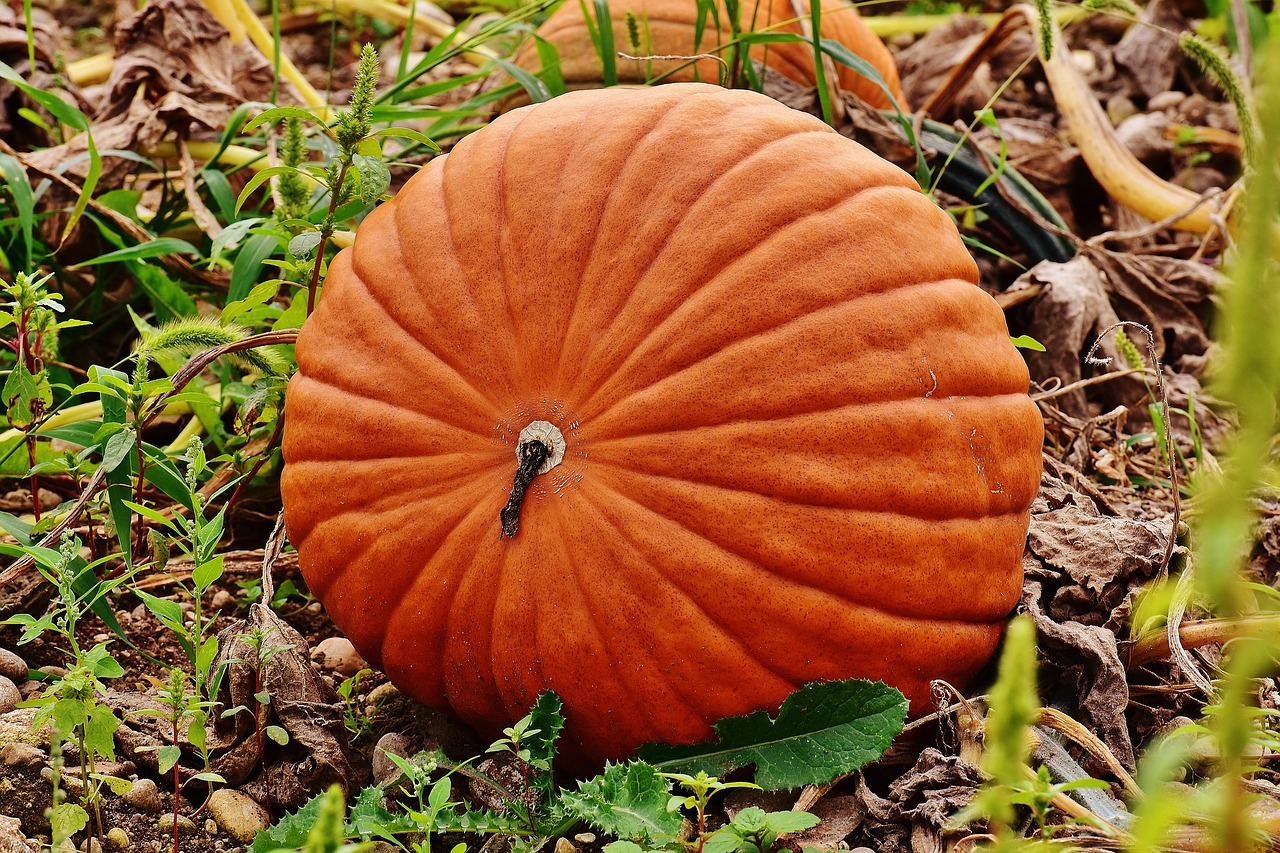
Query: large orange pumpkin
668	27
796	440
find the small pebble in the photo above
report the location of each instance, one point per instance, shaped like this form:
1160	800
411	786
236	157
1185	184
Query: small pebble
384	692
238	814
9	695
53	670
165	822
12	667
222	600
585	837
337	654
564	845
143	794
1162	101
18	754
315	607
210	826
384	769
117	838
91	845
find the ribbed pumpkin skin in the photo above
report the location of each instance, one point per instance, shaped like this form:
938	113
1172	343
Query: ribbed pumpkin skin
799	442
672	31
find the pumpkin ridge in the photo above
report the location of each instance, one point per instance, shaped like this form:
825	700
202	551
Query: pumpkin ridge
509	123
673	318
709	619
587	396
1013	510
399	406
617	674
589	257
783	580
463	377
638	279
959	333
435	173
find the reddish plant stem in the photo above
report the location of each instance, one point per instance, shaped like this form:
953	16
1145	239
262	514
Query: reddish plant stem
258	463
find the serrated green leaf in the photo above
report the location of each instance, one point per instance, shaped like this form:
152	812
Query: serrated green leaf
627	800
66	819
823	731
290	831
547	719
99	732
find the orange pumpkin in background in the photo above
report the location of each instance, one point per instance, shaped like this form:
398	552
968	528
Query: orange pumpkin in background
789	437
668	27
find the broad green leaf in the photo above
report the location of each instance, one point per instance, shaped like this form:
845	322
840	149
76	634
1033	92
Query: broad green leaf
277	734
303	245
627	800
230	237
68	714
374	177
167	611
99	732
823	731
167	756
66	819
205	574
117	448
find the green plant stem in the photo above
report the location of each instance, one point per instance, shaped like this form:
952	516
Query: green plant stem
258	463
177	787
326	231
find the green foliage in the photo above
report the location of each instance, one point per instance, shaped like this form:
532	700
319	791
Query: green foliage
626	801
822	732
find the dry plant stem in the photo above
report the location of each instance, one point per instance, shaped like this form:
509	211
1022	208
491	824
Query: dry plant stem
199	212
1173	632
676	57
1068	727
1192	635
1085	383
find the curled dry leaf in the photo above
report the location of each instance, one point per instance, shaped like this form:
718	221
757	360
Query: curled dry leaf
302	703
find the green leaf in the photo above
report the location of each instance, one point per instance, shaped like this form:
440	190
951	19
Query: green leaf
99	732
290	832
277	734
782	822
258	180
408	133
117	448
205	574
627	800
536	89
68	714
167	756
374	177
150	249
547	719
66	819
230	237
208	652
168	297
1027	342
169	612
303	245
15	177
823	731
275	114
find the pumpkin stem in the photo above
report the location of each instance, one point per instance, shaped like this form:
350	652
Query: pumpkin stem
533	454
